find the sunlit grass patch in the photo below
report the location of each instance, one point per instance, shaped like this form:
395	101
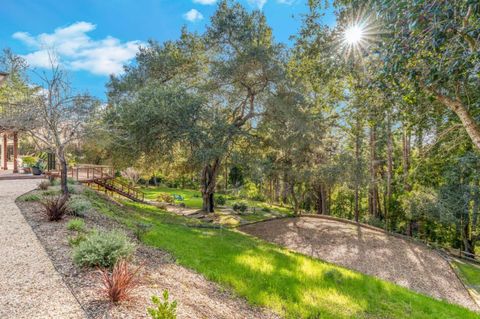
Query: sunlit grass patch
293	285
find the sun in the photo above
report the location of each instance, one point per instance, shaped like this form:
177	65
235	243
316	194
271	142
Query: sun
353	35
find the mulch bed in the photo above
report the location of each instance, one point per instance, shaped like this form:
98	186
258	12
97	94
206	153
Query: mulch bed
196	297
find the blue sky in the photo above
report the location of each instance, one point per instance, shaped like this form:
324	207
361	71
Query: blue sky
96	37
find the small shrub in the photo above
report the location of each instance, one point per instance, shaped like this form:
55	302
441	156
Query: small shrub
51	192
240	207
103	249
258	198
163	309
29	161
74	241
29	198
221	200
141	229
44	185
55	207
79	206
266	209
166	198
76	225
119	283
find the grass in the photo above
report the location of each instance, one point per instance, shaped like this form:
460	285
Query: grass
76	224
291	284
193	198
469	273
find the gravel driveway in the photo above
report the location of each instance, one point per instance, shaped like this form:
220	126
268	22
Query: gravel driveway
371	252
30	287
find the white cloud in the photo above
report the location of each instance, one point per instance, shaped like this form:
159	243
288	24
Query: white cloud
287	2
257	3
193	16
78	51
205	2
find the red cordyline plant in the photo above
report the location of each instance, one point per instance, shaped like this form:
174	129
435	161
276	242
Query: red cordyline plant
55	207
119	283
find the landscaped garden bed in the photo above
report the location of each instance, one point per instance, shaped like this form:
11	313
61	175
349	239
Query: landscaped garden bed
196	297
291	284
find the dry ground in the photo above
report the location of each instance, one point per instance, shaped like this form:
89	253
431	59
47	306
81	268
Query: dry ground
405	263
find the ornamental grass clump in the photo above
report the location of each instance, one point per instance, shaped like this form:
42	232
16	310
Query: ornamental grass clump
103	249
119	283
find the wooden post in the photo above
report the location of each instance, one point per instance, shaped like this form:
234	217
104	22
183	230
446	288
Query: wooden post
4	151
15	152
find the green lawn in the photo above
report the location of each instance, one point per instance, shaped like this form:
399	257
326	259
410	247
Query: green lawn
193	198
469	273
291	284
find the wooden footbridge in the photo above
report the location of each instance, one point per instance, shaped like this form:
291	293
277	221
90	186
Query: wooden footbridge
103	178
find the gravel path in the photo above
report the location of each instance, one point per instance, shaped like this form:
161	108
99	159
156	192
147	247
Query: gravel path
30	287
371	252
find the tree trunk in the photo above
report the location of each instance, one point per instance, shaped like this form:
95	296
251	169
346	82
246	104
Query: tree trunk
468	122
373	192
467	240
63	173
389	171
357	171
209	181
406	157
296	204
285	189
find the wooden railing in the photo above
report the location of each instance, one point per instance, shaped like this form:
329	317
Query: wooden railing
86	172
121	188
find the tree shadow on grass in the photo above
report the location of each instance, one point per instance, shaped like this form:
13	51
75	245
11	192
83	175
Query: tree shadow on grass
292	284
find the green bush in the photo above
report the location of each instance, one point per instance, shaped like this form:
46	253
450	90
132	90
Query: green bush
44	185
163	309
266	209
51	192
74	241
221	200
103	249
29	198
29	161
79	206
166	198
240	207
76	224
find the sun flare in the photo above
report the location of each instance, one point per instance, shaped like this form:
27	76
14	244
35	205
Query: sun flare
353	34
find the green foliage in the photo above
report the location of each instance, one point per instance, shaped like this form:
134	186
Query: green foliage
79	206
419	204
221	200
29	161
76	225
166	198
469	273
31	197
74	241
44	185
240	207
103	249
163	309
270	276
235	177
